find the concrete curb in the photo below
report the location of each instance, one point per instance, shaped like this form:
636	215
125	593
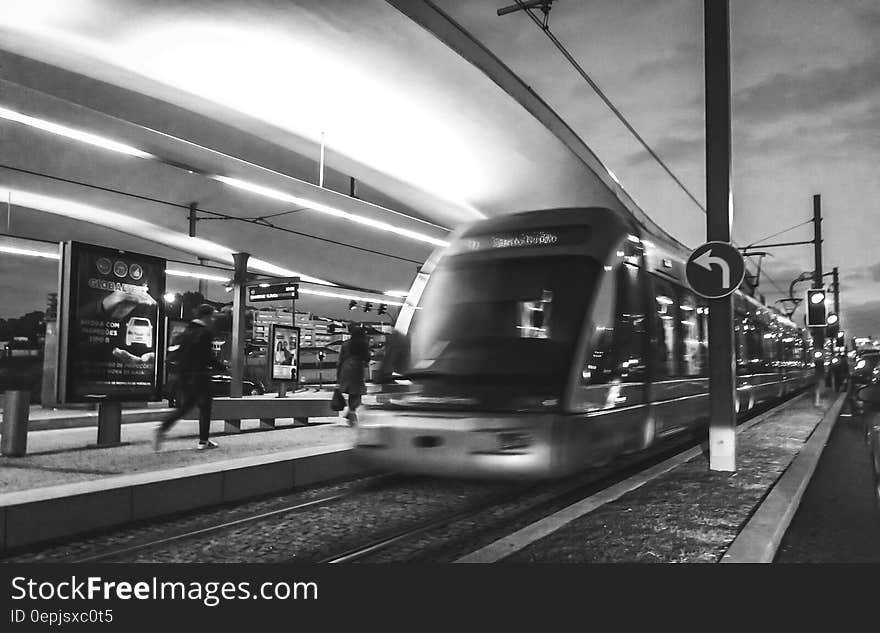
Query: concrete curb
758	541
41	515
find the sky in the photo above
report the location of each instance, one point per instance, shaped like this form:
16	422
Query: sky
805	82
806	114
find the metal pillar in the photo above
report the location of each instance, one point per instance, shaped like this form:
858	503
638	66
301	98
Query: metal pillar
239	303
836	293
818	332
722	375
109	423
16	410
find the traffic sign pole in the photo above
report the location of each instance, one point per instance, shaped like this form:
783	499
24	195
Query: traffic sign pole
722	376
818	332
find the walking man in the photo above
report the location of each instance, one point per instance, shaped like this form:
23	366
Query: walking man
195	364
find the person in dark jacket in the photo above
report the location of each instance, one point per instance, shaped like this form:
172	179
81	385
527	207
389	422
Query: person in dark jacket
353	360
195	365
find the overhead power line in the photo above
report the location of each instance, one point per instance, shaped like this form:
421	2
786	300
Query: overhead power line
545	27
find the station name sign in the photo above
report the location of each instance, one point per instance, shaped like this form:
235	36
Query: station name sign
273	292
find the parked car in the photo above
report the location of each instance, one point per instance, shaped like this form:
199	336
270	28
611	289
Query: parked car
864	367
869	396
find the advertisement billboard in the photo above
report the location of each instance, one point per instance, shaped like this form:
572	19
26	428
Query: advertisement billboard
112	335
284	353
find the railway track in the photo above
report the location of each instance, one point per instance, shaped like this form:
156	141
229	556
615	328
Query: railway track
546	499
146	545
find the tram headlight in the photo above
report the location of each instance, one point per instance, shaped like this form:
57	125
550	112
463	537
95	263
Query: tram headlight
861	364
508	441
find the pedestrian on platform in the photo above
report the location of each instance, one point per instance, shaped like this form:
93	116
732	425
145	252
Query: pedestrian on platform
195	361
353	360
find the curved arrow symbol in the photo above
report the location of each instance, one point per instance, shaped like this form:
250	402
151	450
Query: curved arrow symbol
707	260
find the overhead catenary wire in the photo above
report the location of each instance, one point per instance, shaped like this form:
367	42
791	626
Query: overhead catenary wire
791	228
545	28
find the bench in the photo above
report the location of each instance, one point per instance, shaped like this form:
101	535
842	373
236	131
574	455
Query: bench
267	409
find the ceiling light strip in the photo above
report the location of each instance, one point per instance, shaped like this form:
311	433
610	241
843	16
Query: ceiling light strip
281	196
72	133
105	143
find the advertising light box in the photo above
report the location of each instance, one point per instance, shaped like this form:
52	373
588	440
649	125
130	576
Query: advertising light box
112	336
284	353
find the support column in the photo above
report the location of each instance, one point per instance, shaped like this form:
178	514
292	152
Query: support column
239	303
719	202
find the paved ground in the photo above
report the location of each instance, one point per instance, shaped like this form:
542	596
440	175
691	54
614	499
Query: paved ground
690	514
63	456
838	520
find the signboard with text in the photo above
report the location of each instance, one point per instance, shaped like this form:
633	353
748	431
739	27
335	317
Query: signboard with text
284	353
112	337
273	292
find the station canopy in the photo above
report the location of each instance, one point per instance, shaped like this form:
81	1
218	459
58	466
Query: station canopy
117	115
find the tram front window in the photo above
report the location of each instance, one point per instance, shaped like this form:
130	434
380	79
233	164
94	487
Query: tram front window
502	320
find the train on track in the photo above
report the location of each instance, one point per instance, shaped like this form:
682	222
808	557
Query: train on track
545	342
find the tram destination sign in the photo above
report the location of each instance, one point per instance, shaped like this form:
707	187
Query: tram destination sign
715	270
273	292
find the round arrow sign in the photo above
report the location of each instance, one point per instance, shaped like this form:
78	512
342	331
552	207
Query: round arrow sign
715	270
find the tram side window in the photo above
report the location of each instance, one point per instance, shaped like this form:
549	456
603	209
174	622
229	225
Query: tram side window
665	348
694	339
749	356
618	341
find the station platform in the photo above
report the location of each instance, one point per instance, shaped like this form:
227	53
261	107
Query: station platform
65	475
675	511
681	511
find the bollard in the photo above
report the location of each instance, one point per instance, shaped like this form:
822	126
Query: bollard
16	410
109	423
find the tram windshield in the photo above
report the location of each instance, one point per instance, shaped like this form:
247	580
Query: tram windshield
512	319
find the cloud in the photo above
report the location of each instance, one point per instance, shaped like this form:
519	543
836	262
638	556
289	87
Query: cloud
862	320
871	273
813	92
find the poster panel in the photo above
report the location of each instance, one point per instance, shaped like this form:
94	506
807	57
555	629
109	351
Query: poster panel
113	335
284	352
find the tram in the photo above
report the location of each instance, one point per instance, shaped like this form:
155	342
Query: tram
545	342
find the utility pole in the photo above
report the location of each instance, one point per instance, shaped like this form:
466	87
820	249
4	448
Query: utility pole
722	375
818	332
836	293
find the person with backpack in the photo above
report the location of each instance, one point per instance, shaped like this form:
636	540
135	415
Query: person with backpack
195	363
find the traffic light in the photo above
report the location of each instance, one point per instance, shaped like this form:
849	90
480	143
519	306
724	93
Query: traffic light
368	307
352	305
832	327
816	307
383	308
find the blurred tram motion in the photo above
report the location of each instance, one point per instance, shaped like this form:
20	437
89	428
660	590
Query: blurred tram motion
545	342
